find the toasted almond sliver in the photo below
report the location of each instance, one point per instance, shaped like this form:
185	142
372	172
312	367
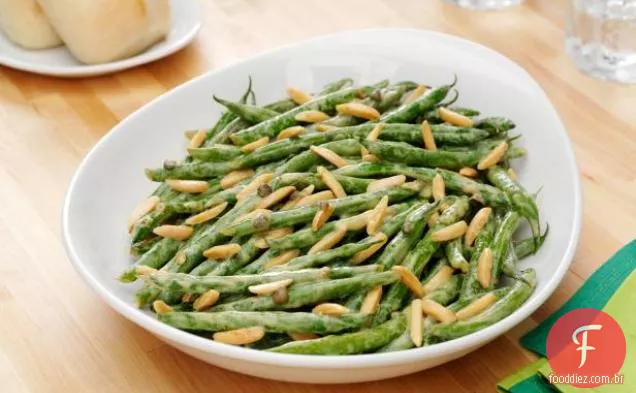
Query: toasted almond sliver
357	109
363	255
484	268
315	198
439	188
370	158
197	139
261	243
189	186
187	297
377	218
278	233
144	271
415	326
329	240
333	309
189	134
180	258
427	137
331	182
476	225
298	196
371	301
450	232
442	276
408	278
324	127
363	151
432	220
493	157
290	132
312	116
476	307
454	118
303	336
329	156
281	259
235	177
415	94
437	311
375	132
276	197
357	222
322	216
468	172
298	96
207	300
270	287
222	251
176	232
241	336
512	174
206	215
250	147
254	184
142	209
386	183
161	307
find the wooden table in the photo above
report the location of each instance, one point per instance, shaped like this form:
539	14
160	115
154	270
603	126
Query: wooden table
56	335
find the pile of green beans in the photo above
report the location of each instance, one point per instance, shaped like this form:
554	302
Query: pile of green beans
433	188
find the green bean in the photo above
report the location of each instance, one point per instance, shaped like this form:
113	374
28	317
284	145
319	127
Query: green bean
471	286
248	251
419	216
250	113
455	254
531	245
495	125
300	180
410	111
215	152
335	86
501	243
143	246
227	117
394	94
305	160
158	255
270	340
203	202
191	171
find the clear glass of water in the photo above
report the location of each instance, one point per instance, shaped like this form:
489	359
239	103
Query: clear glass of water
485	4
601	38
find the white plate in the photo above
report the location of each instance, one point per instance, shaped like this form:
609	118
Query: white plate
110	181
186	22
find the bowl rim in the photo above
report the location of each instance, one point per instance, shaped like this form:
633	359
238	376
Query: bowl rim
466	343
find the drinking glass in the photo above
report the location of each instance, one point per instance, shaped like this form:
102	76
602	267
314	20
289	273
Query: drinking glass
601	38
485	4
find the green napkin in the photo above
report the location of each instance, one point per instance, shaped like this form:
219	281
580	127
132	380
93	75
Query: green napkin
612	288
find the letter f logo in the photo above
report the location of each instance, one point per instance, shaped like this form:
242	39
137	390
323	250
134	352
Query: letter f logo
583	345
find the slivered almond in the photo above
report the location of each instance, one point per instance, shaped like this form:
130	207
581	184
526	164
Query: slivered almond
315	198
439	279
290	132
277	233
180	258
439	188
270	287
250	147
329	156
363	255
427	137
298	96
450	232
176	232
254	184
476	225
468	172
370	158
189	134
206	215
261	243
415	94
377	217
409	279
357	222
371	301
281	259
484	268
303	336
197	139
333	309
375	132
235	177
275	197
432	220
492	158
329	240
312	116
187	297
363	151
189	186
512	174
280	296
416	322
437	311
207	300
359	110
222	251
161	307
331	182
324	127
386	183
322	216
142	209
241	336
454	118
476	307
297	196
415	185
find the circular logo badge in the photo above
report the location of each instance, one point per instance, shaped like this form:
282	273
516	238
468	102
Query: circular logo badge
586	348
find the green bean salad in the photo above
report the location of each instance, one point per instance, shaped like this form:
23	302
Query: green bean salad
357	219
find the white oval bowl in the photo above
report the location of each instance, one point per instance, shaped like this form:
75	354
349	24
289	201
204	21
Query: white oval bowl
110	181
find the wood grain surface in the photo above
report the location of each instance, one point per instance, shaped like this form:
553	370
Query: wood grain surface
56	335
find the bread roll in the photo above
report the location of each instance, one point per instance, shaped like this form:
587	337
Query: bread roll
23	22
99	31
